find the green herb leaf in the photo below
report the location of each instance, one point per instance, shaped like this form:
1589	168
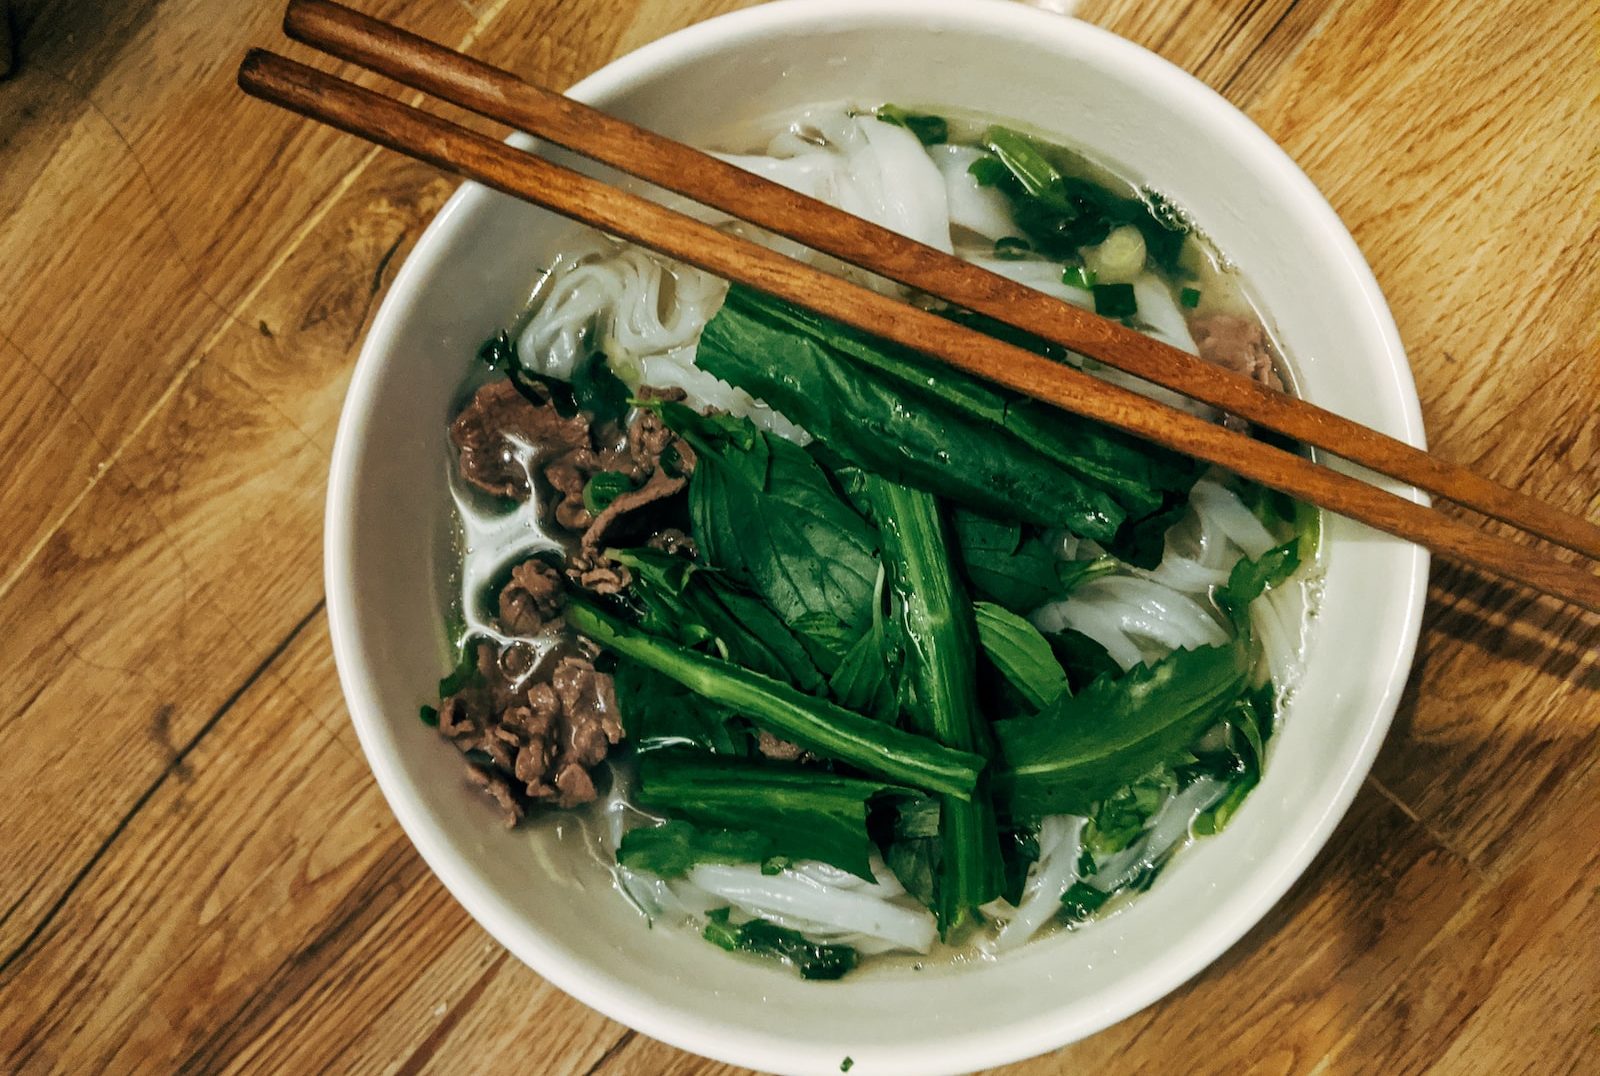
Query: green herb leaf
1189	297
1252	578
1086	747
1081	901
604	487
430	716
692	605
1021	653
801	812
814	724
988	171
1123	815
930	130
1084	660
810	959
671	849
599	391
764	511
657	712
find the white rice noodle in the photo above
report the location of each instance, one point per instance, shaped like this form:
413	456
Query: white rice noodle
1060	842
869	917
1038	274
1159	313
1120	611
1184	574
1098	623
862	165
979	209
622	300
1169	828
1221	507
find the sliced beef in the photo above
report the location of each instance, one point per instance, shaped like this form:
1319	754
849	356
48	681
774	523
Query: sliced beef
772	747
1236	344
674	541
496	784
592	570
531	603
660	486
498	431
531	742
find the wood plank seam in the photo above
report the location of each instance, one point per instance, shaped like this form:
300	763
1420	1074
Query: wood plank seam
13	959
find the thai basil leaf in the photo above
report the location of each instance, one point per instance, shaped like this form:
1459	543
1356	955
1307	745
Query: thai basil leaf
1021	653
599	391
766	513
1084	660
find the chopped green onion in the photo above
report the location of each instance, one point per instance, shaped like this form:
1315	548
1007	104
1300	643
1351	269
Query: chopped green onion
1189	297
1010	248
1076	276
603	488
430	717
1115	300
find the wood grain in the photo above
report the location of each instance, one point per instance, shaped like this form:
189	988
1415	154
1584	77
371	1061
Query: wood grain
197	871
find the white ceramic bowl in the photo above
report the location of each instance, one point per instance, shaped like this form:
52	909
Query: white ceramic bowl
547	898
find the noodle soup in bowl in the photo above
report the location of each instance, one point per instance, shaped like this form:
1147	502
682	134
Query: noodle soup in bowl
399	552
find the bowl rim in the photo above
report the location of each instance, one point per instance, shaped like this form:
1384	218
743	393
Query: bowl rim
632	1007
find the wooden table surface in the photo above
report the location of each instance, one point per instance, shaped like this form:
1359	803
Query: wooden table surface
196	868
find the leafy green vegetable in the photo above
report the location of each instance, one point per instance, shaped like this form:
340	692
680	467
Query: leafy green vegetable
864	681
1021	654
1115	300
604	487
1142	542
764	511
891	412
937	620
930	130
802	812
1252	578
835	358
658	712
691	604
429	716
1251	723
1189	298
1017	572
814	724
1123	815
1084	659
1062	213
1087	746
673	847
1019	850
599	391
847	1064
811	959
1081	901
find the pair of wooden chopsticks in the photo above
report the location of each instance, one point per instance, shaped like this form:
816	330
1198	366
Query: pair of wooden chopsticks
501	96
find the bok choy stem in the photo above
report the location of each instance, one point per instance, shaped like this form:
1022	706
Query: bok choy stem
941	646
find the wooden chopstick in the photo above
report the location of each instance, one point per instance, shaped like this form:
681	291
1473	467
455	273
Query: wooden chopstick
502	96
428	138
